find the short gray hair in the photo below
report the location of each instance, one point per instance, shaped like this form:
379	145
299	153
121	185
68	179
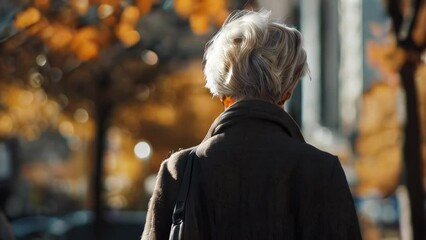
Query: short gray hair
254	57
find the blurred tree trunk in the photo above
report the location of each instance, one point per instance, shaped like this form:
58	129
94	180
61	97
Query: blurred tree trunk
403	28
412	152
103	115
98	186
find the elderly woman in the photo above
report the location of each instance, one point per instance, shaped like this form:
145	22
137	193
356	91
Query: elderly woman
254	176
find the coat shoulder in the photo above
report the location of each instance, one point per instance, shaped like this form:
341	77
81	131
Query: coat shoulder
175	163
313	151
317	158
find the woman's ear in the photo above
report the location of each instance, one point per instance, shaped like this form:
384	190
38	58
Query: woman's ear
227	101
286	96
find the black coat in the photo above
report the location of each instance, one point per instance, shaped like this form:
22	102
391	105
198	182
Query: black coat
255	178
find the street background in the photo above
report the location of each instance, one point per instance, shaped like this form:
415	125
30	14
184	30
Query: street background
95	94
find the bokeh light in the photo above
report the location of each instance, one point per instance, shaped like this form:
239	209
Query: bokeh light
142	150
105	10
66	128
81	115
149	57
41	60
149	184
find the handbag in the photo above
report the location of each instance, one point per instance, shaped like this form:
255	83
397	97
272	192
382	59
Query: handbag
176	231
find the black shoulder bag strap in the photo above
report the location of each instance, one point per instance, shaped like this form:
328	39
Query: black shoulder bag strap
176	231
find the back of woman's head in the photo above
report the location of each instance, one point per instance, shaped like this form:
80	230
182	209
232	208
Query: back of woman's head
254	57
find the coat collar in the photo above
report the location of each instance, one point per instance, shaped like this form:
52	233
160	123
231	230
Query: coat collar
256	109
